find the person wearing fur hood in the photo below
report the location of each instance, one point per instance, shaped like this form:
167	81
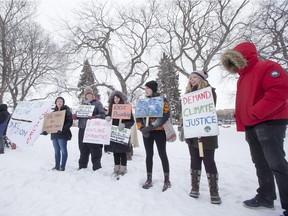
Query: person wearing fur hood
119	150
262	112
87	148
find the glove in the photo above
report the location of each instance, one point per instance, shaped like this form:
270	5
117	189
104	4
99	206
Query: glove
74	116
108	118
147	129
92	117
121	126
44	133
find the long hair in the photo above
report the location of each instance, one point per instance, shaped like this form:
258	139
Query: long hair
201	84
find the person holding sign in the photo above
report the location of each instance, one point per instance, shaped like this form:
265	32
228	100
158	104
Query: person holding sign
197	80
87	148
262	112
4	118
61	137
122	120
153	130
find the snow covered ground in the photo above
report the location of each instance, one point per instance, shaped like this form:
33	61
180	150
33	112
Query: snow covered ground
28	188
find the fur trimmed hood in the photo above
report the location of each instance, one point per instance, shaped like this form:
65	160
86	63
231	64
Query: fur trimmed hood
118	94
240	59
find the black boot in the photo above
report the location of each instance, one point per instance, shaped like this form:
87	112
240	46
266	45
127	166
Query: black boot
148	184
167	183
213	185
195	183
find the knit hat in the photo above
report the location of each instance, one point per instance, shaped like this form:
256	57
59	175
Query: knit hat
202	74
88	90
61	98
152	85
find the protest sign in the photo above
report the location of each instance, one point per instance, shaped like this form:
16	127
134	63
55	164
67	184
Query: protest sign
84	111
97	131
54	121
149	107
199	114
27	120
121	111
121	137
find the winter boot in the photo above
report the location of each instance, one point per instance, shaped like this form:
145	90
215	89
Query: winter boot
116	169
167	183
148	184
213	185
122	170
195	183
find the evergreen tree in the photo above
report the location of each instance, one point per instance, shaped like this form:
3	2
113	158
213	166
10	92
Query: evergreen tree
87	79
168	84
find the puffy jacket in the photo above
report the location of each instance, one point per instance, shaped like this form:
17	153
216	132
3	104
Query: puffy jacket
262	88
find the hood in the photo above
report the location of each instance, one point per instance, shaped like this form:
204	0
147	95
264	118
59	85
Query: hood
3	107
240	59
118	94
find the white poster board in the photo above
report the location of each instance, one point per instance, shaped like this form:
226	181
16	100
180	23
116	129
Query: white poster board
27	120
121	137
85	111
97	131
199	114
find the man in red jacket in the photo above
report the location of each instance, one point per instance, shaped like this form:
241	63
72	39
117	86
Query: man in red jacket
262	112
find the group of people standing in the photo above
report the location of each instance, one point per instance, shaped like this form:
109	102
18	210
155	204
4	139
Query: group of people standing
261	111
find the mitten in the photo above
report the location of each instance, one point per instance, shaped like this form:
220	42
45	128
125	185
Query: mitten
92	117
108	118
121	126
44	133
147	129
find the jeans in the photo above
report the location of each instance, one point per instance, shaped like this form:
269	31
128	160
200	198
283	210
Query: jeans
61	154
266	147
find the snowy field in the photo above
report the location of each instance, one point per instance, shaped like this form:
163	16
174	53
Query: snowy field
29	188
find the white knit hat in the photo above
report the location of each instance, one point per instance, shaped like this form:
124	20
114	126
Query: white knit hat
202	74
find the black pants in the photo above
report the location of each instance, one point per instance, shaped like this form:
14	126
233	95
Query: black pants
96	155
266	147
84	150
160	138
120	159
208	159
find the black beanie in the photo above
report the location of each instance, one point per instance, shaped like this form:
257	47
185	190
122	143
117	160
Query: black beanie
61	98
152	85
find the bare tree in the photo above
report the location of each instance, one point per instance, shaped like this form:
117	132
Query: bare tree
118	43
197	30
269	30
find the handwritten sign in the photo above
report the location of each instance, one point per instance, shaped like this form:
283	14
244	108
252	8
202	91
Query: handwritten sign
149	107
26	122
121	137
121	111
97	131
54	121
199	114
84	111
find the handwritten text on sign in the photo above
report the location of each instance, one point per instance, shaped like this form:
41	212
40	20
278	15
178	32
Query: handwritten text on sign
121	137
199	114
54	121
97	131
121	111
149	107
84	111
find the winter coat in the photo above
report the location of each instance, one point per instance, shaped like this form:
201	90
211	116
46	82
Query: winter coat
4	118
68	121
98	112
117	147
156	122
261	88
210	142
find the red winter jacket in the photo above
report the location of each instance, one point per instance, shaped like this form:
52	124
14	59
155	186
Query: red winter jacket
262	89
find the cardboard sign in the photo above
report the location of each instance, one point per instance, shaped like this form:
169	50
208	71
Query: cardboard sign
54	121
97	131
121	111
26	122
199	114
149	107
121	137
85	111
